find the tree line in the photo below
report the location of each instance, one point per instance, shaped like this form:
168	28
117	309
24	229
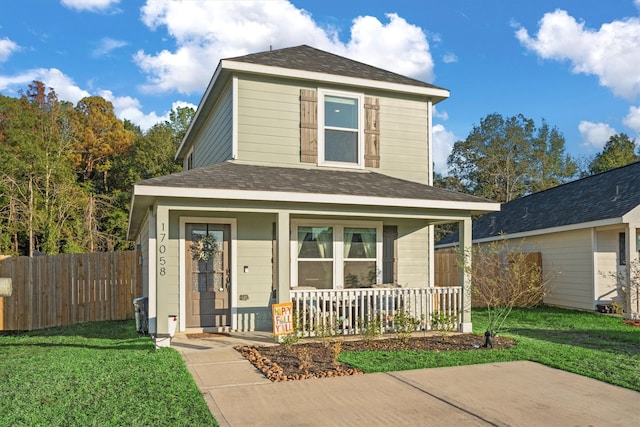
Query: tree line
66	172
503	159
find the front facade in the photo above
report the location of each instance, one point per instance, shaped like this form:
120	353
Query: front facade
304	172
588	232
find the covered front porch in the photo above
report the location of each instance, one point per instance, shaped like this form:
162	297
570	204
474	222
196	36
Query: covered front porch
382	306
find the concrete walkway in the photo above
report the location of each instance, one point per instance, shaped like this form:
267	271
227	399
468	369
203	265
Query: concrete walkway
496	394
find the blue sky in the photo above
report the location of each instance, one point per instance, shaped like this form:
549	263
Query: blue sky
575	63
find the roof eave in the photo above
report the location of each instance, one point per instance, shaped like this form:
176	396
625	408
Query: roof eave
297	197
436	94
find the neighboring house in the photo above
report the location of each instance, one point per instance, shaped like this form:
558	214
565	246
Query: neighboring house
587	230
307	171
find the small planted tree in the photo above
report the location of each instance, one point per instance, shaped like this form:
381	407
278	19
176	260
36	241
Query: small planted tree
503	276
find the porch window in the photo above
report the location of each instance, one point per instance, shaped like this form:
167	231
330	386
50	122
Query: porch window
359	257
315	257
341	132
337	255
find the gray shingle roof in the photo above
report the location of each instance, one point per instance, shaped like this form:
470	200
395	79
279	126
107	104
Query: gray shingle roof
607	195
238	176
307	58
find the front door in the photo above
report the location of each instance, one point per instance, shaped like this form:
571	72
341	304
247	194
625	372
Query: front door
208	275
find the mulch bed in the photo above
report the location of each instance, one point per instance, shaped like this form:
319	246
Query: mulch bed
316	359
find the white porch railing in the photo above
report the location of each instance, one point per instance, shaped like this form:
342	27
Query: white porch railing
352	311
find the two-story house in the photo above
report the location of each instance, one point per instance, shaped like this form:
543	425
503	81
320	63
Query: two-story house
307	177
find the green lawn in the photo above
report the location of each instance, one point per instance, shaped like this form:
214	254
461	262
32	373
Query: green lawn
95	374
589	344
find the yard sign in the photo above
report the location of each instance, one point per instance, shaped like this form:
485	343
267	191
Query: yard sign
282	315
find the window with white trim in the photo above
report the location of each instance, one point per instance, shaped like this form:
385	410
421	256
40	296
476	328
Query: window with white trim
336	256
340	130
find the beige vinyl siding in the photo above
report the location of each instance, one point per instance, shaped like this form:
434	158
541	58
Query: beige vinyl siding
254	251
167	285
403	139
413	253
268	121
215	143
569	254
143	242
269	127
606	260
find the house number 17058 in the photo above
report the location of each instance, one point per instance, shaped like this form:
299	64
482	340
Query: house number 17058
162	248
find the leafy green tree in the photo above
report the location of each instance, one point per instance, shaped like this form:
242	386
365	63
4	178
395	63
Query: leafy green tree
618	151
503	159
99	136
66	173
179	120
150	155
39	193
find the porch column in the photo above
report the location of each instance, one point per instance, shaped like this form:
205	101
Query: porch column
632	302
284	256
464	276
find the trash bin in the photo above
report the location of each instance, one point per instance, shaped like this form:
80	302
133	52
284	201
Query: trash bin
142	317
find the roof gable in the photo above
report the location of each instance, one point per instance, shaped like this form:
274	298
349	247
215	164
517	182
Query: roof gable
607	195
307	58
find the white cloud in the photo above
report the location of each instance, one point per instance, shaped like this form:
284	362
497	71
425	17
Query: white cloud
397	46
449	57
205	31
443	142
632	120
595	135
611	52
107	45
89	5
63	85
7	47
442	115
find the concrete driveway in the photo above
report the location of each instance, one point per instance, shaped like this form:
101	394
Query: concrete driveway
496	394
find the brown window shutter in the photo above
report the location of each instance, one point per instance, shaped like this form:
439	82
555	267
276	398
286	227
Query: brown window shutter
371	132
308	126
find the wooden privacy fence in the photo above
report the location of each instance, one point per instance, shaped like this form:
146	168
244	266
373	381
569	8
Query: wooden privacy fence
57	290
446	268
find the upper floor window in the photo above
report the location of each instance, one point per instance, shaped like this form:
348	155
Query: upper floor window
340	133
188	161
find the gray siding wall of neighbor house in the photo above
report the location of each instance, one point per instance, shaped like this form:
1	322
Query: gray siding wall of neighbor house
567	257
269	127
215	143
